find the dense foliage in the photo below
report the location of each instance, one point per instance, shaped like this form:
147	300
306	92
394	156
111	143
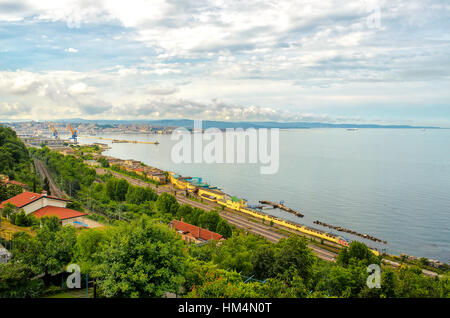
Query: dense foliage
69	172
15	161
49	251
13	153
140	257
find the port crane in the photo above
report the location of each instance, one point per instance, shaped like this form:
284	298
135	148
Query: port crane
73	131
54	131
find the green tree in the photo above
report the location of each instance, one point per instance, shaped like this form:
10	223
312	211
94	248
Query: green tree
294	254
184	211
49	251
139	195
117	189
357	252
224	229
8	210
121	190
14	190
263	262
167	203
87	248
412	283
338	282
141	259
19	219
75	205
3	193
46	186
209	220
389	282
279	287
103	162
16	282
236	253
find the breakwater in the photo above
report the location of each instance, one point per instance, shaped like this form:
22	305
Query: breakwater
342	229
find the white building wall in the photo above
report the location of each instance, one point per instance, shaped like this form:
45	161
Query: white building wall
36	205
43	202
53	202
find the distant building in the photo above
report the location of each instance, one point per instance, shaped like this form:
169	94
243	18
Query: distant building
41	205
5	180
157	176
92	163
101	145
131	162
114	161
194	234
45	141
67	151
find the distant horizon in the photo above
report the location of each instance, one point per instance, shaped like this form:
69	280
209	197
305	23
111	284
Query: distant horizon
265	123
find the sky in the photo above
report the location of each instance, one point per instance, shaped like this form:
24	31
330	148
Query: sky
361	61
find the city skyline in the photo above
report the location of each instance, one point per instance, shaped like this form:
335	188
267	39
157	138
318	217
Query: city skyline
378	62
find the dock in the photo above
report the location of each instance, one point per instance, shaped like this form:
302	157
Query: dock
123	141
282	207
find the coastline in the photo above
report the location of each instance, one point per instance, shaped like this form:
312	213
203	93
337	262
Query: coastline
393	256
342	211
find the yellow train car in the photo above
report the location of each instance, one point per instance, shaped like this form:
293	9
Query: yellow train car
181	183
213	195
241	207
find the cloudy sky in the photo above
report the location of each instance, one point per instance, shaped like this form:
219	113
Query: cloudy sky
332	61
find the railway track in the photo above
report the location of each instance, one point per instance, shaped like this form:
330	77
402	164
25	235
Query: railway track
240	221
233	217
44	173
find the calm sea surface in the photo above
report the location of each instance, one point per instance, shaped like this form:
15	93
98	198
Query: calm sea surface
393	184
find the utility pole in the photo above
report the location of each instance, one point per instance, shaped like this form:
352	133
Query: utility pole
87	285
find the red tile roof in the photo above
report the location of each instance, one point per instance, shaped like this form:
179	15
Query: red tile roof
195	231
26	198
22	199
17	183
61	213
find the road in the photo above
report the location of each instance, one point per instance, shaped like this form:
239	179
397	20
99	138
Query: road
424	271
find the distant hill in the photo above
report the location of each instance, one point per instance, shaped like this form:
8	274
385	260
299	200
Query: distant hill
188	123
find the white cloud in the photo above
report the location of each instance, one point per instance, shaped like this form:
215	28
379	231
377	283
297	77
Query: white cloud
285	59
162	90
80	89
